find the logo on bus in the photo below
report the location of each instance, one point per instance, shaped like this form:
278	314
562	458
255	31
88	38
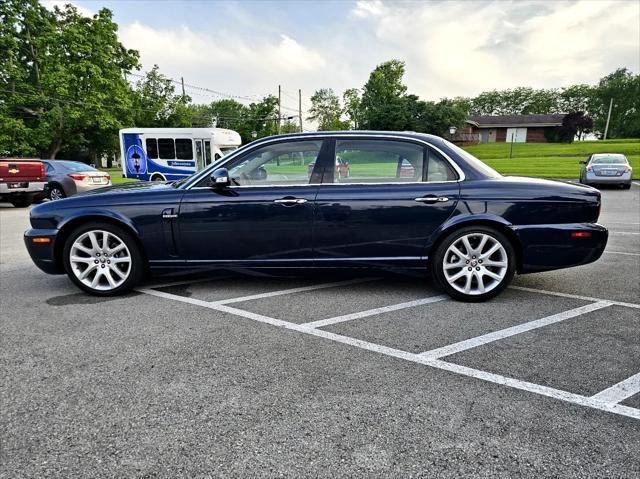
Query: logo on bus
136	160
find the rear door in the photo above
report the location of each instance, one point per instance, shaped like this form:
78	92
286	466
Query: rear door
384	211
265	218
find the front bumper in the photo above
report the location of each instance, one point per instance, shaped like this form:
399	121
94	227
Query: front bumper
43	253
549	247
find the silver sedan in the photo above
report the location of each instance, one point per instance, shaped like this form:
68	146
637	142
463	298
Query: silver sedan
66	178
606	168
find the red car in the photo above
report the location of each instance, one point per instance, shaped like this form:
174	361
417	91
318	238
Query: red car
342	168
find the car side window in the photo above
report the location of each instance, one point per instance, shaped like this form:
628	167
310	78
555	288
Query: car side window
377	161
48	169
438	168
286	163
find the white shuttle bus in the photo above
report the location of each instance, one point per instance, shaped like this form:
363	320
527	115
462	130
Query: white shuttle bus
166	154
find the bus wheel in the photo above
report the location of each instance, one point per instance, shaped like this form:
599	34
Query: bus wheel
157	178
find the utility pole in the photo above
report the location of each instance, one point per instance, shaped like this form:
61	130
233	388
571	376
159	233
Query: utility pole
182	82
279	107
300	107
606	128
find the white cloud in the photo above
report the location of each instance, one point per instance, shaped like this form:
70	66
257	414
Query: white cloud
50	4
450	48
223	61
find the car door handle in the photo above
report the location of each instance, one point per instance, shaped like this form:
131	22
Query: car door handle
432	199
290	201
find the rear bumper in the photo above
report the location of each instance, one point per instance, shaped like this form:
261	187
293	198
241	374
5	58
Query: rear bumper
81	186
33	190
592	178
549	247
43	254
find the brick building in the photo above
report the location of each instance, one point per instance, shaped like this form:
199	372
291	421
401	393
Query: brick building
507	128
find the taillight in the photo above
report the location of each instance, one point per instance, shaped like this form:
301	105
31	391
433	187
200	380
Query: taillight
580	234
108	177
42	172
76	176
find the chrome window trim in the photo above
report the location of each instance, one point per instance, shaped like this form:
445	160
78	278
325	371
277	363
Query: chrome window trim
225	159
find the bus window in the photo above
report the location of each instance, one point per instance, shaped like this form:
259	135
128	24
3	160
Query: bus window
184	149
207	152
166	148
152	148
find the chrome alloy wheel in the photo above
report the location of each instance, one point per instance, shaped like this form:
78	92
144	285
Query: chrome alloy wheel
100	260
56	193
475	263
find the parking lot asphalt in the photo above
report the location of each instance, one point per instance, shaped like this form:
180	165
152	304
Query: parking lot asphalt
236	376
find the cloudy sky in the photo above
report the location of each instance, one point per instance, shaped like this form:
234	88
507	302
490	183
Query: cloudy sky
451	48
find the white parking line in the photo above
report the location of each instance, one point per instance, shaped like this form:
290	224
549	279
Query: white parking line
576	296
371	312
512	331
619	392
294	290
622	252
623	233
396	353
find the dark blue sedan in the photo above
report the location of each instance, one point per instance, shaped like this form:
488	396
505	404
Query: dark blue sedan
410	201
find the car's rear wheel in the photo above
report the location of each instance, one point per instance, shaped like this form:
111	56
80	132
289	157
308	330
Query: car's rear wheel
21	202
103	259
474	263
56	193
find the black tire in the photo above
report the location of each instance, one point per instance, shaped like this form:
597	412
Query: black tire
437	266
56	192
157	178
22	202
138	261
626	186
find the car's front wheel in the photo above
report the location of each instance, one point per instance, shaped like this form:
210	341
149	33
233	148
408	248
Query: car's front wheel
474	263
103	259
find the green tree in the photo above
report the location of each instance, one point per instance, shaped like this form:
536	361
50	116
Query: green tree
226	113
623	87
383	105
353	107
64	80
326	110
156	103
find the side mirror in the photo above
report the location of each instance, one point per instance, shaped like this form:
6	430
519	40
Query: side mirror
583	162
220	178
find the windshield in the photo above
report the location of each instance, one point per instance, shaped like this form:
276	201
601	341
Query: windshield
475	163
226	151
76	166
609	160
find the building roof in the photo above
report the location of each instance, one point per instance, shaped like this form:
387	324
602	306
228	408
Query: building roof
504	121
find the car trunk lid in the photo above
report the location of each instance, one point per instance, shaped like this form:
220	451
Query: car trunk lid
19	171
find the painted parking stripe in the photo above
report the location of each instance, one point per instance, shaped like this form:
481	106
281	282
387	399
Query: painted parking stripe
623	233
619	392
512	331
396	353
301	289
575	296
622	252
372	312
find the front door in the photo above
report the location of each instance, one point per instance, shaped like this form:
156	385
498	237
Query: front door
383	204
199	155
265	218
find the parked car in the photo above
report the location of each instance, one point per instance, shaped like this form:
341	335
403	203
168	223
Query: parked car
22	182
470	226
606	168
66	178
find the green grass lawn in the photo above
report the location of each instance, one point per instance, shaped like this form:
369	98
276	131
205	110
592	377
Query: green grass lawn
552	160
116	176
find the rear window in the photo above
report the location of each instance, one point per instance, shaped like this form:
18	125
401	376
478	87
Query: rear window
609	160
77	167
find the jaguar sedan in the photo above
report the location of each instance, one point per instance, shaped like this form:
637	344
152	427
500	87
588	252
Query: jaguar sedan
410	202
